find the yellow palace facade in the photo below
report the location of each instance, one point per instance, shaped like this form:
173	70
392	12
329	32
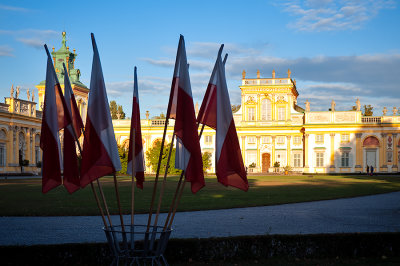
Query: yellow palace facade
274	132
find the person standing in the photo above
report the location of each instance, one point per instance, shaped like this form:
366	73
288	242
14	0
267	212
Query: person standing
372	170
367	170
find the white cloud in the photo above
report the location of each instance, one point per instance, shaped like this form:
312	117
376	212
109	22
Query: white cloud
6	50
329	15
32	37
13	8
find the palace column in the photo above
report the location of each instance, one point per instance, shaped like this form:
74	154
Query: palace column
243	148
258	154
382	154
358	167
332	157
288	162
28	141
395	155
306	167
273	149
258	108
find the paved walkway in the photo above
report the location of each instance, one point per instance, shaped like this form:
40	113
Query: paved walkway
378	213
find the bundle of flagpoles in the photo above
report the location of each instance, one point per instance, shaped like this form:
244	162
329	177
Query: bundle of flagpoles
100	152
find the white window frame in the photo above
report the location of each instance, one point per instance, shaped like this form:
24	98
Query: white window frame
281	113
297	161
297	140
345	137
3	154
319	159
208	140
251	140
251	114
345	159
266	139
319	138
280	140
266	110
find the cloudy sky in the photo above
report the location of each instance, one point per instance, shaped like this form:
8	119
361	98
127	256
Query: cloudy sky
339	50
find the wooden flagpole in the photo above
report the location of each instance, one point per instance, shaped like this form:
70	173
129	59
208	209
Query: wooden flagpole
119	203
157	174
133	179
173	200
174	207
164	181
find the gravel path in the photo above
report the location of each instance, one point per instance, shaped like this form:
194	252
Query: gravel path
377	213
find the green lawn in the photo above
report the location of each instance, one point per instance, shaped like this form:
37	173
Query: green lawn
24	197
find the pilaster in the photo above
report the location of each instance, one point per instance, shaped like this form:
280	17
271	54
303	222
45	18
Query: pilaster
332	156
243	149
382	153
273	149
289	159
258	155
359	153
306	167
395	153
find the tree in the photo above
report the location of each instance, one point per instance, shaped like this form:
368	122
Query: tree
368	110
235	108
152	158
353	108
115	109
206	156
123	156
161	116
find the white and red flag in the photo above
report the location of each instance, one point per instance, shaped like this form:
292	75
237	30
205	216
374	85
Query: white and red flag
71	170
181	108
100	152
138	160
216	112
55	117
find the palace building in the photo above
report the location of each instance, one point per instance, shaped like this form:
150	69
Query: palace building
274	132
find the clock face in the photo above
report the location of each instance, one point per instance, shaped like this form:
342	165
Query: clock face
60	60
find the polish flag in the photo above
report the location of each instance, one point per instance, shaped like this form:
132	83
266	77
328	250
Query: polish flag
180	107
55	117
135	126
100	152
216	112
71	170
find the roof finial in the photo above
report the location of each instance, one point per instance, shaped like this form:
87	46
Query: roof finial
258	73
288	73
273	73
243	74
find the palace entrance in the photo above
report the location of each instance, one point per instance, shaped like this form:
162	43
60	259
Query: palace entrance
266	162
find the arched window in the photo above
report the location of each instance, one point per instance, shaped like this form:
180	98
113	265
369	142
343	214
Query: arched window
266	113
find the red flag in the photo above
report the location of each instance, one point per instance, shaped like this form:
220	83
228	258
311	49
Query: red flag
181	108
55	117
135	126
71	170
216	112
100	152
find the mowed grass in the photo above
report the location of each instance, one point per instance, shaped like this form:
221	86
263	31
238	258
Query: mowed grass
24	197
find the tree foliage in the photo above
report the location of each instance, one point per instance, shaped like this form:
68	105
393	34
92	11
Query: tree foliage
123	156
368	110
206	156
235	108
115	109
152	158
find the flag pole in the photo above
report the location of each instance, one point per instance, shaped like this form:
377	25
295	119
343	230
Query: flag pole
133	179
164	181
174	206
91	183
157	173
119	202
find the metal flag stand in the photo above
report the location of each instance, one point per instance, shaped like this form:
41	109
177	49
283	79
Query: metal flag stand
143	246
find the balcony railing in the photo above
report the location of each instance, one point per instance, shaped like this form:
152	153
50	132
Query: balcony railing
371	119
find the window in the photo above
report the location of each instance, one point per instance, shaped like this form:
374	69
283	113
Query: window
251	157
297	160
251	140
266	139
345	137
319	138
345	159
266	113
281	158
37	154
2	154
281	113
297	139
319	159
280	140
251	114
208	140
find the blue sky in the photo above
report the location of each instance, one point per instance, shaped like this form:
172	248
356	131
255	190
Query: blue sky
339	50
